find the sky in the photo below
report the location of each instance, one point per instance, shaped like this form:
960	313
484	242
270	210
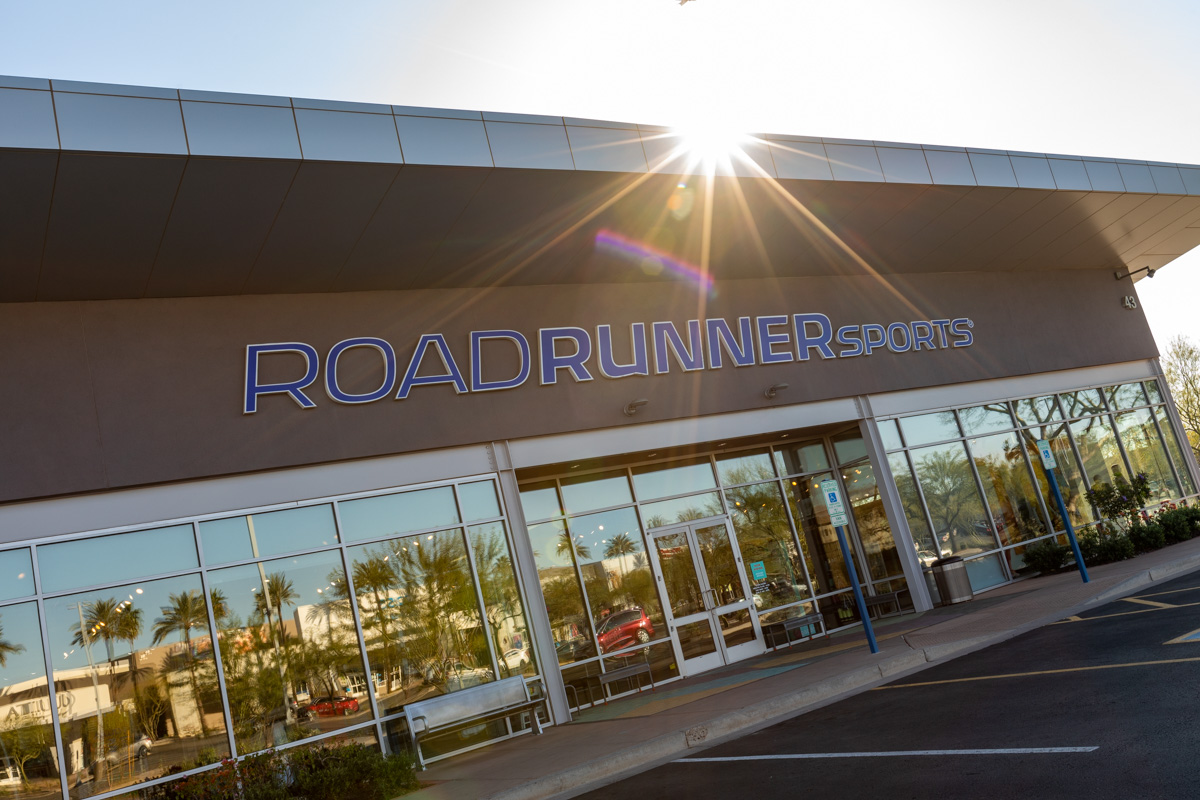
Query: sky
1097	77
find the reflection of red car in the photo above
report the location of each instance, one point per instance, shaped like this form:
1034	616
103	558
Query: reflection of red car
624	629
330	707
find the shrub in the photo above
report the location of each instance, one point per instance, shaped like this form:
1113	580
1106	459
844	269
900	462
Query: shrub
1047	556
1147	536
351	771
348	772
1176	525
1105	550
1115	548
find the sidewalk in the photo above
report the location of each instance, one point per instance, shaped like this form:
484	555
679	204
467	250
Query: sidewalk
637	732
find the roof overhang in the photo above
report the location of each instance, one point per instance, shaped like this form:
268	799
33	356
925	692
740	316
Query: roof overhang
125	192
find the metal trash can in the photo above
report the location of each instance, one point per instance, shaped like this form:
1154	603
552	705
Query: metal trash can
953	585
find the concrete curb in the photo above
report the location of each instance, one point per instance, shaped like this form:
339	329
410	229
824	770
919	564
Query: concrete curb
594	773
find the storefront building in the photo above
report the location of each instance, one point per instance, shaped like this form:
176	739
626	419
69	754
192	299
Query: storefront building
314	410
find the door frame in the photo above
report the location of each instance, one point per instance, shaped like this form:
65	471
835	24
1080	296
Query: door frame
712	612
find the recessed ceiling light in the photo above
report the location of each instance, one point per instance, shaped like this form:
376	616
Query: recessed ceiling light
784	436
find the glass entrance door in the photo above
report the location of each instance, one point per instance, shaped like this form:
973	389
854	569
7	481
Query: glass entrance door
709	604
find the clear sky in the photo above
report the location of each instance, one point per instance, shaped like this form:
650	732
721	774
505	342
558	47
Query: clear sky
1089	77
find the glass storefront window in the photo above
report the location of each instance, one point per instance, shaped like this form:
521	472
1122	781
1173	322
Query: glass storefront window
1127	395
617	580
1146	453
420	614
1068	474
818	539
504	611
478	500
889	432
676	477
984	419
739	468
540	501
960	521
1037	410
928	428
16	574
289	649
985	572
1153	392
1097	443
914	511
682	509
263	535
134	666
1082	403
802	457
30	767
874	532
114	558
390	514
849	447
1006	482
764	535
553	550
590	492
1173	448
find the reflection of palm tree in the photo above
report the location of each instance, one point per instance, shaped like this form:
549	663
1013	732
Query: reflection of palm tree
101	618
7	648
621	545
568	545
185	612
376	577
128	628
279	592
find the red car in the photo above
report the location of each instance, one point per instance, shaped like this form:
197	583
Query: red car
624	629
330	707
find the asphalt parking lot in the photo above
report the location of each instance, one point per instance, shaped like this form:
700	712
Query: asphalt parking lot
1104	704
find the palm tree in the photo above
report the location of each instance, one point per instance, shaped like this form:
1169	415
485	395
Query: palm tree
7	648
185	611
568	545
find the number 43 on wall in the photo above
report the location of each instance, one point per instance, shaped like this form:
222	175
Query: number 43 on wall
1129	301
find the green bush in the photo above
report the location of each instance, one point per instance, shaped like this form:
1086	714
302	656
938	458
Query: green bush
1105	550
1115	548
346	772
1047	556
1147	536
352	771
1177	525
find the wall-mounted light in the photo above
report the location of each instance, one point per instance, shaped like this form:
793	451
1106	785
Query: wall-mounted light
1148	270
632	406
771	390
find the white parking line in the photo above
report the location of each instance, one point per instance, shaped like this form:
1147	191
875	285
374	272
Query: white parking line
1008	751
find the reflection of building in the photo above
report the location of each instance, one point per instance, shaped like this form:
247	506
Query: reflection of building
421	323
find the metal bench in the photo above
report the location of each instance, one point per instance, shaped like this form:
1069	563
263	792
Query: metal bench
877	600
772	631
630	671
612	675
487	701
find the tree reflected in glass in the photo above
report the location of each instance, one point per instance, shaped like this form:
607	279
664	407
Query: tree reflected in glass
425	634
